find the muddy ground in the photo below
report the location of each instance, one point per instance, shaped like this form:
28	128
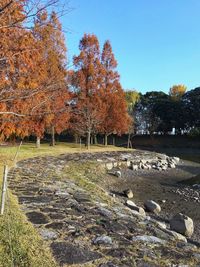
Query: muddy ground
159	186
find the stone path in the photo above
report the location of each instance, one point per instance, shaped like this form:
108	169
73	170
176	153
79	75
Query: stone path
82	230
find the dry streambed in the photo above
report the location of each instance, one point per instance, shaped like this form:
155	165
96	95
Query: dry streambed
86	225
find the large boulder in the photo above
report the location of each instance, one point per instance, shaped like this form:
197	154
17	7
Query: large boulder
182	224
152	206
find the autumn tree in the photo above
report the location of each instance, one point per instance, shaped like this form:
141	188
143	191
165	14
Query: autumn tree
18	62
20	58
52	108
177	91
88	108
116	119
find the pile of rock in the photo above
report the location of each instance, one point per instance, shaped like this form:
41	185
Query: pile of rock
160	163
145	161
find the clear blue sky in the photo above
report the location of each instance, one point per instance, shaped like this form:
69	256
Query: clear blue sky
156	42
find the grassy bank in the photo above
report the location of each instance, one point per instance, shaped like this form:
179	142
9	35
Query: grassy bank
20	245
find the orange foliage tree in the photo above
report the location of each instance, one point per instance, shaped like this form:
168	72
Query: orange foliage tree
52	109
116	119
24	71
88	107
18	62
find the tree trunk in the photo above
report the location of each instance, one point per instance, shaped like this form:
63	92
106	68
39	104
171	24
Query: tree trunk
88	140
129	145
76	139
129	139
106	140
52	136
38	142
113	141
91	140
95	139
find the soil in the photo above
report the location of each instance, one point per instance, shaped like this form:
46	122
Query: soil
161	185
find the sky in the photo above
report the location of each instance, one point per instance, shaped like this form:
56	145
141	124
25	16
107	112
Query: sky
156	42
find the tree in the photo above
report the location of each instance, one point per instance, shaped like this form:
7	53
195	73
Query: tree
53	104
158	112
146	119
132	98
116	119
88	108
21	67
191	106
177	91
18	64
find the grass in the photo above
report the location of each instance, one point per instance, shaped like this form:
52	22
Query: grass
20	245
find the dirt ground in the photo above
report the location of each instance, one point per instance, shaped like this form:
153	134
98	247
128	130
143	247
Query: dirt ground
160	186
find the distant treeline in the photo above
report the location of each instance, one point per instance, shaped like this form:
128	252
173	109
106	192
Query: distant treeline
159	113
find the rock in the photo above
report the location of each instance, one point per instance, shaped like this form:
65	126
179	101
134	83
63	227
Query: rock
118	174
125	157
182	224
158	223
134	167
103	240
176	159
115	163
81	196
176	235
133	206
62	194
37	217
172	165
149	167
130	204
152	206
105	212
128	193
67	253
128	163
109	166
138	215
164	168
48	235
196	186
139	210
168	234
148	239
55	225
